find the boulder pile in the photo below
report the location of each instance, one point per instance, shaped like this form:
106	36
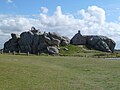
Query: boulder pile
33	41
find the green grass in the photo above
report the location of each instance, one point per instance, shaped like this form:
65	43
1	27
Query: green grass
82	51
74	50
20	72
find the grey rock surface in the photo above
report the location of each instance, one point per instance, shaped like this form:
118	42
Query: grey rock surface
35	42
64	41
52	50
101	43
12	44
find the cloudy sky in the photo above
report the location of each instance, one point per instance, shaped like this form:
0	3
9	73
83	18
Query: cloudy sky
92	17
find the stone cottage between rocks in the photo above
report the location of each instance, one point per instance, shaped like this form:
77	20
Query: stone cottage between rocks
78	39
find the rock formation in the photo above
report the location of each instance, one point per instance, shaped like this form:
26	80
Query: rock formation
35	42
12	44
101	43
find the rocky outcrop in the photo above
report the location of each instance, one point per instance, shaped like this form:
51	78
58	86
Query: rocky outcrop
35	42
101	43
12	44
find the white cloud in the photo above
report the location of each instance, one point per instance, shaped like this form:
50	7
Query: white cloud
44	9
9	1
93	14
93	22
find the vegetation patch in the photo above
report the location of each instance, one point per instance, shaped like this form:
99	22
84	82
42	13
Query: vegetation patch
71	49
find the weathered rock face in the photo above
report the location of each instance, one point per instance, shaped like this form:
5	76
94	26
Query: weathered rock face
12	44
35	42
52	50
101	43
65	41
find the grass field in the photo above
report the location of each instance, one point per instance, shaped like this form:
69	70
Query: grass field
20	72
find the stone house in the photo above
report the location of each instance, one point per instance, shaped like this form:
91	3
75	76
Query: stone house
78	39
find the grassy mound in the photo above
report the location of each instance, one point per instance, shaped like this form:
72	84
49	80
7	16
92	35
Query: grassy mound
70	49
82	51
74	50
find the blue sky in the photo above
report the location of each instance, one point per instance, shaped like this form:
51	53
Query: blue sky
30	7
94	17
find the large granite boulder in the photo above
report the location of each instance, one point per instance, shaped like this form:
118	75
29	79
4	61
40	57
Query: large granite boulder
54	35
25	41
101	43
12	44
35	42
52	50
64	41
54	39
